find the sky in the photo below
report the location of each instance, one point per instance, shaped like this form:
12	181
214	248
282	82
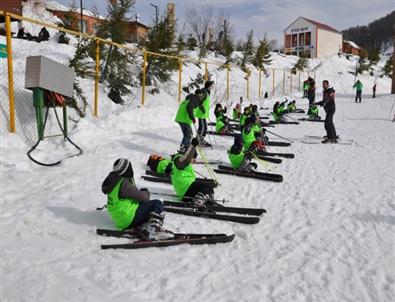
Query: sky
271	16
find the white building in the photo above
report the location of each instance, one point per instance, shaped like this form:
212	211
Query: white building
314	39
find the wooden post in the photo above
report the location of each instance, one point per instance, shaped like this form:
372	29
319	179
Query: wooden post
274	74
299	82
227	81
283	81
11	98
205	71
248	84
144	72
260	84
291	81
179	79
97	61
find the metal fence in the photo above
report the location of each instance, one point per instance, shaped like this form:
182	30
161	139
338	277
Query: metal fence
17	110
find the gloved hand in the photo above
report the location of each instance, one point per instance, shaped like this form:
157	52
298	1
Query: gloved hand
194	120
195	142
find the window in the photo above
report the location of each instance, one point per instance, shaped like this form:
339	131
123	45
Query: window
307	53
294	40
84	26
294	53
287	41
308	38
301	39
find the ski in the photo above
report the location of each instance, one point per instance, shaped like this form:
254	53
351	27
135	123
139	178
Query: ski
219	208
339	142
210	162
212	215
156	174
311	120
285	155
270	159
179	238
321	138
278	144
256	175
167	179
224	134
283	123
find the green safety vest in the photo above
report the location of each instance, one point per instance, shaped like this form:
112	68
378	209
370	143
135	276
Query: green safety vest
182	115
242	120
182	179
206	105
236	114
236	159
276	117
161	168
122	211
248	138
313	111
219	125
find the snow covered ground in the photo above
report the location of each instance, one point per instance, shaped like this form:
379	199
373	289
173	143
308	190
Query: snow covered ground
327	236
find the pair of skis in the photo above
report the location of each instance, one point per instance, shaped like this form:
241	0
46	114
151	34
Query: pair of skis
270	143
140	239
165	178
314	139
311	120
256	175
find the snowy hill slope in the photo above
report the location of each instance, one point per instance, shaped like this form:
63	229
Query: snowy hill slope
327	236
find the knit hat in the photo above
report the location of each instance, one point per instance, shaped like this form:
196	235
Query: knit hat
123	167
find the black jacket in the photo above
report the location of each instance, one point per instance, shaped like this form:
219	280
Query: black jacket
194	102
328	100
127	189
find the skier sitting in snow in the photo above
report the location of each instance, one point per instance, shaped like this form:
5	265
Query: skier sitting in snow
241	159
222	123
130	207
291	107
183	178
243	116
159	164
278	111
313	112
253	135
237	112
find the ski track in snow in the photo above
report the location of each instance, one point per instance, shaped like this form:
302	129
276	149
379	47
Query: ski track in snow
327	236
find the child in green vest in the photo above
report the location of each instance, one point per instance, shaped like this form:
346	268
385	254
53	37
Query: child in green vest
186	116
236	112
252	134
159	164
239	158
222	121
130	207
183	178
313	112
203	112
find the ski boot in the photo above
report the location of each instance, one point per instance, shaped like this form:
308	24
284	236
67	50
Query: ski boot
155	228
199	200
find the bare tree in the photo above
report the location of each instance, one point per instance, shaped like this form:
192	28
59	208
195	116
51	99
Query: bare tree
199	21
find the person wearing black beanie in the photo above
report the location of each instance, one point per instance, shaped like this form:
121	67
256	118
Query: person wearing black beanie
130	207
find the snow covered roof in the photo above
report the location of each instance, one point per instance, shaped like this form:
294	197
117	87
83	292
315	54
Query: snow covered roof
55	6
322	25
352	44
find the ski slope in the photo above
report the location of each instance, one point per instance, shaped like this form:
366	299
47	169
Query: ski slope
327	236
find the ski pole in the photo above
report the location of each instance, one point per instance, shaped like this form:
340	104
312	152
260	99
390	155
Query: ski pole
203	156
393	103
265	164
282	137
291	117
209	135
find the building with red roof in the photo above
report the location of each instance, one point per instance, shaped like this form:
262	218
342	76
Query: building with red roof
311	39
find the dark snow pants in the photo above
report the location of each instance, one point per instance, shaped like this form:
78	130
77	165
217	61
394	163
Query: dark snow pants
329	126
144	210
358	96
202	130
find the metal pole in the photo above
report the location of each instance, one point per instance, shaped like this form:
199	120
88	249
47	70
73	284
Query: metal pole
156	14
10	74
227	82
144	72
179	79
274	74
82	16
97	58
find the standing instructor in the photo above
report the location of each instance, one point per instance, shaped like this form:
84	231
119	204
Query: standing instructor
328	102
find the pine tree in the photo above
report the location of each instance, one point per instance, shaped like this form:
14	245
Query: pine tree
158	41
180	43
388	67
248	50
362	65
301	64
262	55
191	43
116	60
374	56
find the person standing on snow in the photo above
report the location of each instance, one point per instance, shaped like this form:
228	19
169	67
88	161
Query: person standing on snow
358	86
311	90
130	207
328	103
204	113
185	117
374	91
